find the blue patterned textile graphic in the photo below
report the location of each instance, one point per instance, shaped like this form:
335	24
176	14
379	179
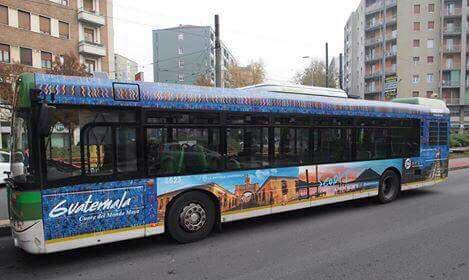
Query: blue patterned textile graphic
82	209
89	91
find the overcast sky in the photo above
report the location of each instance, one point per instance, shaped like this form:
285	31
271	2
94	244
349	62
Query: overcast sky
278	32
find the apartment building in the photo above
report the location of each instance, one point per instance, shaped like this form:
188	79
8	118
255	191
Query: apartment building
417	48
182	53
125	68
33	33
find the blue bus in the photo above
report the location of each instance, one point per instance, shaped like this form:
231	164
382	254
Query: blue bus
96	161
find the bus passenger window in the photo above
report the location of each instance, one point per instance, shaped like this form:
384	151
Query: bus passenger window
247	148
126	149
99	155
172	151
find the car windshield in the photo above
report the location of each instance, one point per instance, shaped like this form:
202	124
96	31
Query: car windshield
20	156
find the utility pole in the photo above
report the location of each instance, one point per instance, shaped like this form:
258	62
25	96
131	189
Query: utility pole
218	69
341	71
327	65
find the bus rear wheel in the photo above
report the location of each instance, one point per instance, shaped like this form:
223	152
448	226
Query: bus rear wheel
389	187
191	217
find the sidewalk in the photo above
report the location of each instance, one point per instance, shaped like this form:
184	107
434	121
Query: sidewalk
459	163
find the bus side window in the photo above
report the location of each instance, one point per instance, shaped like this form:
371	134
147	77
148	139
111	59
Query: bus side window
99	156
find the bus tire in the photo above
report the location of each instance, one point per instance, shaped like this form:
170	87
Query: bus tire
389	187
191	217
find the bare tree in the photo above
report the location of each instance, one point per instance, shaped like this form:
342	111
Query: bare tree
68	65
237	76
9	73
315	74
204	80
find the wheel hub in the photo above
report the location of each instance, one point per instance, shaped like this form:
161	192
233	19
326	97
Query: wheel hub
193	217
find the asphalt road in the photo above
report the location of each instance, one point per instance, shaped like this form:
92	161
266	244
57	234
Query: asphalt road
423	235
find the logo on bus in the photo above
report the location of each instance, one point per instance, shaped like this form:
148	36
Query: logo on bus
89	206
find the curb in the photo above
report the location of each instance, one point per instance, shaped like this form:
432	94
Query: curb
5	228
458	168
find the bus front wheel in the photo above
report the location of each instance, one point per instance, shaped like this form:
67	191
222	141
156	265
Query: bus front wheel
389	187
191	217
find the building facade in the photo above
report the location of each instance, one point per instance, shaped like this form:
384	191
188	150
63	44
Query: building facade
125	69
183	53
33	33
418	48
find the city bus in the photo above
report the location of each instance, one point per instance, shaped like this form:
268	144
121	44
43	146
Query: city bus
96	161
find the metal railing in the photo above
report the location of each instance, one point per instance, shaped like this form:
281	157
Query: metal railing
452	29
446	83
374	24
453	48
452	12
375	40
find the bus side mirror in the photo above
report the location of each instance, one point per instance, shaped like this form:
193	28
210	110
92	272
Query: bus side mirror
45	121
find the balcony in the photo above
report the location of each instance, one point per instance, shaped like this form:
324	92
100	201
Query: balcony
391	70
391	20
452	101
91	18
391	53
452	49
91	48
373	41
450	84
374	57
373	75
452	30
375	89
391	36
391	3
456	12
376	7
373	25
451	66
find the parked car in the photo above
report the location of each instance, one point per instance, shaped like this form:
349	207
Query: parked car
4	165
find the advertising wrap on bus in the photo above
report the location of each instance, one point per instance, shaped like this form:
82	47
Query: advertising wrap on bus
76	210
94	208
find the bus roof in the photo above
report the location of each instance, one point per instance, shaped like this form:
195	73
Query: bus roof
95	91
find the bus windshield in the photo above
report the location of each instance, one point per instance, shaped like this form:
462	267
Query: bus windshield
20	154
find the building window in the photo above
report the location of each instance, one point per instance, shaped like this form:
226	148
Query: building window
430	43
181	63
416	43
430	78
181	78
417	9
431	8
4	53
415	94
430	59
416	60
180	50
431	25
180	37
46	60
26	56
429	94
3	15
89	35
415	79
90	65
416	26
64	30
44	25
24	20
88	6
